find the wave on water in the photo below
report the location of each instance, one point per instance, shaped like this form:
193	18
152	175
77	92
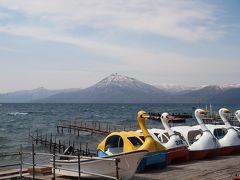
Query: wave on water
17	113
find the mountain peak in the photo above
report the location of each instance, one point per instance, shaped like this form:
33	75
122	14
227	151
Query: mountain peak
116	80
115	77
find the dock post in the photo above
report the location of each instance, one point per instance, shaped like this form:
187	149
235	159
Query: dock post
41	140
45	142
36	138
54	165
33	160
116	164
29	135
70	127
64	147
73	145
79	167
21	161
80	148
59	146
50	142
86	151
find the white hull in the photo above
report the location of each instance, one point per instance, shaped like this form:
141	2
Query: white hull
127	166
205	142
231	138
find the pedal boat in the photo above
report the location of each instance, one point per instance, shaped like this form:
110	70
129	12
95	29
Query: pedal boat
118	142
90	166
227	135
201	142
177	148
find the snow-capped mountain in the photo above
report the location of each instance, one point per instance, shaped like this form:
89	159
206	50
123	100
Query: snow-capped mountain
123	82
113	89
117	88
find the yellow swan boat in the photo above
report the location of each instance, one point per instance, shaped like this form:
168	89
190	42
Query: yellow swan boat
119	142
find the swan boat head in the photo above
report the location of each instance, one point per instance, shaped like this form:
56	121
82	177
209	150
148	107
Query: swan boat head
175	139
224	113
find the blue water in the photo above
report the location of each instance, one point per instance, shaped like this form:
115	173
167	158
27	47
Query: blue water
17	120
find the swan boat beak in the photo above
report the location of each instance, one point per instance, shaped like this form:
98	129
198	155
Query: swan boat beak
226	111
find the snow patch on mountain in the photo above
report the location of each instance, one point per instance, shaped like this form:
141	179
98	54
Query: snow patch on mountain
172	88
229	86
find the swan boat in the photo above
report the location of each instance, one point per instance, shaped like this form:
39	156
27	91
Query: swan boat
177	148
91	167
201	142
131	141
227	135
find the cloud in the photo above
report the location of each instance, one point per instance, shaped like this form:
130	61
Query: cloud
135	59
2	48
172	19
187	21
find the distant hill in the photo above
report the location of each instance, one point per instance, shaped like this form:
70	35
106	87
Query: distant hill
122	89
202	95
26	96
211	94
229	96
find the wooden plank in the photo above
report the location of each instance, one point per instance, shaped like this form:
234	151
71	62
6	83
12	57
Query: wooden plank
218	168
11	172
13	176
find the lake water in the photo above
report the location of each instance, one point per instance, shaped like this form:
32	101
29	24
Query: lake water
17	120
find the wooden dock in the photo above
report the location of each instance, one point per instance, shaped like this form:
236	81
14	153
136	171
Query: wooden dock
218	168
92	127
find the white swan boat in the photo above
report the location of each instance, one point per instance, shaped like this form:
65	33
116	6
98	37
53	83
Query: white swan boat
90	167
177	148
201	142
227	135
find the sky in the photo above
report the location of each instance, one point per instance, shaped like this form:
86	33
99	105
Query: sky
62	44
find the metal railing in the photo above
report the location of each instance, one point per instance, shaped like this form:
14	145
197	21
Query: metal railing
20	163
53	158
